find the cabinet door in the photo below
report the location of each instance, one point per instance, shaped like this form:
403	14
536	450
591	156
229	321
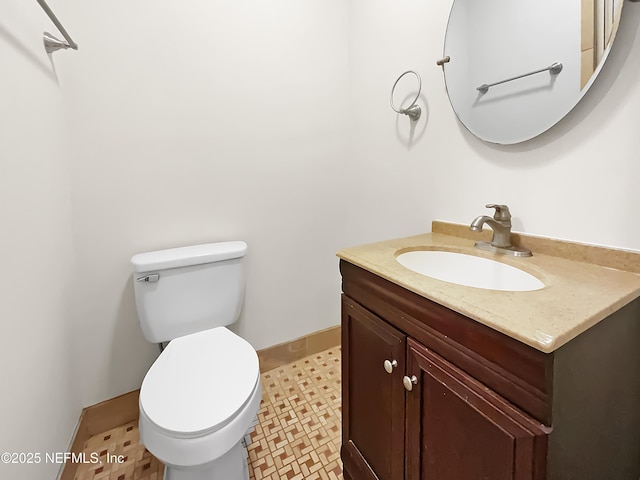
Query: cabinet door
372	398
459	429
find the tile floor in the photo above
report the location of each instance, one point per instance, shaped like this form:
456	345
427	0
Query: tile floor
297	437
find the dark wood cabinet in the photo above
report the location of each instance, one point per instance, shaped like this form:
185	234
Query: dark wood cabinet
458	428
373	404
479	405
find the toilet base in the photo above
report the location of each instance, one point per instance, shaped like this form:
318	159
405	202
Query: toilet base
231	466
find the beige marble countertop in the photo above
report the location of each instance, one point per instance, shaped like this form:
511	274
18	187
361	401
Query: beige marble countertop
583	283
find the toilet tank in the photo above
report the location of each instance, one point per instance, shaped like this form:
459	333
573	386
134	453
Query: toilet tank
185	290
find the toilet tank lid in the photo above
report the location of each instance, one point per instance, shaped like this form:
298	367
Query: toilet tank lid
187	256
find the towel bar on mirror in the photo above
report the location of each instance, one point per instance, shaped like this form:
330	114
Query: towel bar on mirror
554	68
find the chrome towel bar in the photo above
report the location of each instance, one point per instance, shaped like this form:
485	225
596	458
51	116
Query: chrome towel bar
554	69
51	43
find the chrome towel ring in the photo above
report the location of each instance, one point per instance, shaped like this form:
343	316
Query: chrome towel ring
413	111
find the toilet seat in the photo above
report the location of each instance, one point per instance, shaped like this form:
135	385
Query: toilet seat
199	383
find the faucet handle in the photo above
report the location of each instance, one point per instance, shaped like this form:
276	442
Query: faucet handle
502	212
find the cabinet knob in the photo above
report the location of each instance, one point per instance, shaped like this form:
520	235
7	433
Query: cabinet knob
409	382
390	365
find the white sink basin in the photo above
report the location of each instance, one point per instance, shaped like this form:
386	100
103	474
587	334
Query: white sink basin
469	270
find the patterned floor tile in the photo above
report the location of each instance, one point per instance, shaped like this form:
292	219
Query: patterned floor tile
298	435
121	457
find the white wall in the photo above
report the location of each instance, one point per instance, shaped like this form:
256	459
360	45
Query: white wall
217	121
578	181
268	122
39	404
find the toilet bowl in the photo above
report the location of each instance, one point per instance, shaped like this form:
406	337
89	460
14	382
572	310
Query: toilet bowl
201	396
197	402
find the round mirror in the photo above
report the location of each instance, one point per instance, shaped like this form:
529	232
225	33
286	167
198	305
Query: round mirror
517	67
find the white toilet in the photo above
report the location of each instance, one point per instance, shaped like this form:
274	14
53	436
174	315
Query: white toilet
201	396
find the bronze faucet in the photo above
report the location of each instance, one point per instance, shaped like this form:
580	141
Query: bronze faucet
501	225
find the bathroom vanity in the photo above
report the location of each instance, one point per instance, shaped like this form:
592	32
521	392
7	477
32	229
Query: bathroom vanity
442	381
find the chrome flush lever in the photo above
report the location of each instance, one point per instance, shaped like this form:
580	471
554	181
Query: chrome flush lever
152	277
